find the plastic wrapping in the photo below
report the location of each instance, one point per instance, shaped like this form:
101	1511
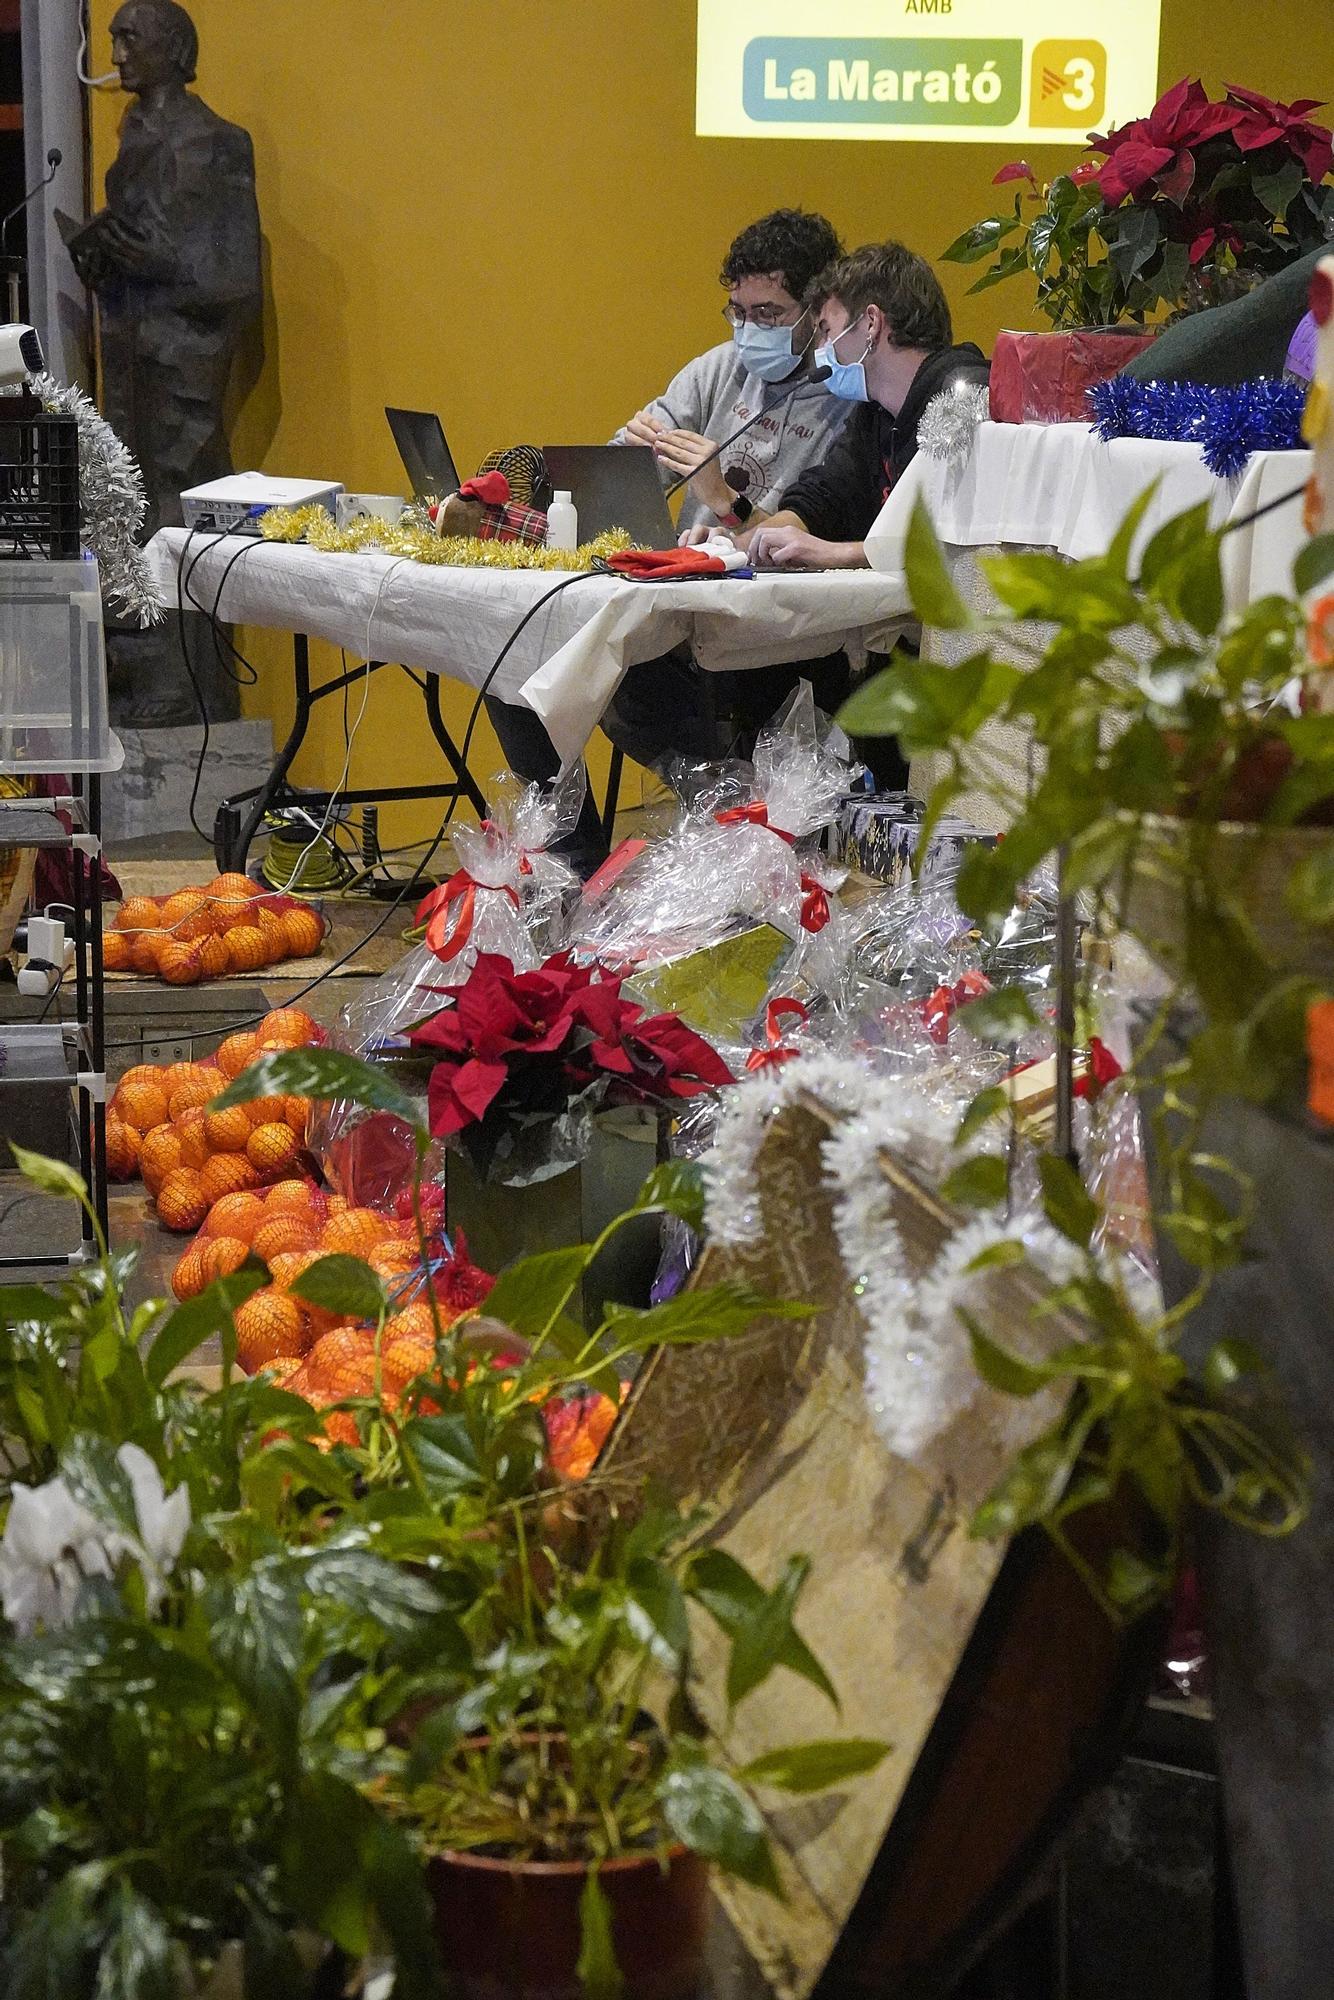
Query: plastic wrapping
508	897
879	833
742	852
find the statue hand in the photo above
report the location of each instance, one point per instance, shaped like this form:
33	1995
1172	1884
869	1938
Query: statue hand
129	249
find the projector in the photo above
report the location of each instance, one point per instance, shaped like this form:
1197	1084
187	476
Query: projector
240	502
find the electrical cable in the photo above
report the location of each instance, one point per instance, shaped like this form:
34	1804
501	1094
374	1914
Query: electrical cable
576	576
1258	513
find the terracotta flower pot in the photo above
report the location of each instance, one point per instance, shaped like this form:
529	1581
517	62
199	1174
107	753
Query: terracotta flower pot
509	1930
1044	378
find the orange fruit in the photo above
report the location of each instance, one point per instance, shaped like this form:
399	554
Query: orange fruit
305	933
159	1155
353	1377
230	911
391	1261
191	1139
335	1350
235	1053
270	922
145	947
182	1203
227	1131
188	1280
238	1215
178	909
282	1233
231	885
122	1150
287	1028
269	1327
115	952
180	964
355	1233
404	1360
341	1428
138	913
281	1370
213	960
271	1149
246	949
285	1265
175	1074
267	1110
221	1255
226	1173
196	1091
298	1115
143	1073
142	1105
294	1197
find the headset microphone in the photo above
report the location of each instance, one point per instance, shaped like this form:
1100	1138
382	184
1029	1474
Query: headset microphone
821	374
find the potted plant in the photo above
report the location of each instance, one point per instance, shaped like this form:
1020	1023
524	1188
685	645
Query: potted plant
1186	208
568	1798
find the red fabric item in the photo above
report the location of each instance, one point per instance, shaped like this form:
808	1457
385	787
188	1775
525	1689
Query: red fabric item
491	488
665	565
1043	378
513	523
777	1053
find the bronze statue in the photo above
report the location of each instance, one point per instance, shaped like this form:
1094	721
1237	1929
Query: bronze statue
174	261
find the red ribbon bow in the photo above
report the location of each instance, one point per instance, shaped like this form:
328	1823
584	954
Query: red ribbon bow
435	912
777	1052
815	906
754	814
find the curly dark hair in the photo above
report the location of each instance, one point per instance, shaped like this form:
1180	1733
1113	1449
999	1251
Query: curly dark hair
901	283
788	244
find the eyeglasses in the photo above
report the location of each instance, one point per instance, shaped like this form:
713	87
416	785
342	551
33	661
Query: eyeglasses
762	315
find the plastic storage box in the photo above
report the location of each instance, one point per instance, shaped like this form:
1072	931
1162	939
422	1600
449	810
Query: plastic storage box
53	670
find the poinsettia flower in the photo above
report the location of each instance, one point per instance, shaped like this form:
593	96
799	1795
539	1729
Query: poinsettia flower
1265	122
1017	170
1087	170
1183	117
461	1094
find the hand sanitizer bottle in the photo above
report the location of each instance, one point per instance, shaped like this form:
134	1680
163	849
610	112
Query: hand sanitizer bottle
562	523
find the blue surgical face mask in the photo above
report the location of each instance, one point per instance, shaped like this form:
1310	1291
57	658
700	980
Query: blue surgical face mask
847	379
767	351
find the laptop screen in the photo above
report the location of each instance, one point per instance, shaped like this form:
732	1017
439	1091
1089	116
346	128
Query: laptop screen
424	450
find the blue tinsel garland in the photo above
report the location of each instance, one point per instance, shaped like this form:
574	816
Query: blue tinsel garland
1228	421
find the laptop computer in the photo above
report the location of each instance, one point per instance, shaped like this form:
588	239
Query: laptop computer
612	486
424	450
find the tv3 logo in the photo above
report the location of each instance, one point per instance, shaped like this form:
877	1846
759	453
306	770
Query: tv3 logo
1067	84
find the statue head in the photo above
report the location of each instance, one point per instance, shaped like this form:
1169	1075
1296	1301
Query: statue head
153	42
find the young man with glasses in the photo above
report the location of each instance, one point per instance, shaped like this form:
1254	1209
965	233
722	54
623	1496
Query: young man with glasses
663	709
765	366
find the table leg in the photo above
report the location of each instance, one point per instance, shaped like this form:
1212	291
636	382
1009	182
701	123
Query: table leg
613	795
232	835
462	775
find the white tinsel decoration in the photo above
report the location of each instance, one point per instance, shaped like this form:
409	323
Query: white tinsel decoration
949	422
112	503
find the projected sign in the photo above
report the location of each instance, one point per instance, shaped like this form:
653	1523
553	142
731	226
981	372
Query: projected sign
1026	70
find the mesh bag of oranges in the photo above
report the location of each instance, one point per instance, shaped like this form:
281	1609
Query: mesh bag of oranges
227	926
160	1124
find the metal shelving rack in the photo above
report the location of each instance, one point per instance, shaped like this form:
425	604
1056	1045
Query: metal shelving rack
69	1055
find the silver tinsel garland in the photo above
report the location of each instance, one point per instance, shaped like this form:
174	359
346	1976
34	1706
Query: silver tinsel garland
112	503
950	420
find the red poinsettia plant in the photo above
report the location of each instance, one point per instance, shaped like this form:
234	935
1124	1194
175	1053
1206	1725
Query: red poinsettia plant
519	1054
1187	207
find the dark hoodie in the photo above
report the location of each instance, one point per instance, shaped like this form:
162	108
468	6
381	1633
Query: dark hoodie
839	499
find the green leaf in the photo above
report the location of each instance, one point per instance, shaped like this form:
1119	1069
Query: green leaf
710	1813
443	1448
317	1072
1046	587
1176	538
599	1975
676	1187
1032	1487
1066	1202
656	1610
731	1595
1101	850
980	1182
1004	1256
343	1285
51	1176
814	1767
1004	1016
21	1304
528	1295
99	1482
1001	1369
1133	1584
1230	1362
929	706
1315	562
1118	553
211	1316
255	1635
362	1582
717	1312
988	1104
762	1641
930	585
979	240
1280	189
138	1958
1309	891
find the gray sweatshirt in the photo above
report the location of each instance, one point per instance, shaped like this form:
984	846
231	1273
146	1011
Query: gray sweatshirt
714	394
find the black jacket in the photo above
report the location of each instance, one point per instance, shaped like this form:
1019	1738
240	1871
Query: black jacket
839	499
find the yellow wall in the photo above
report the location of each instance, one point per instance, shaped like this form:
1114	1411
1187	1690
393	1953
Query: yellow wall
500	210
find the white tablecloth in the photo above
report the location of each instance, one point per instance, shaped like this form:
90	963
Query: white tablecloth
570	658
1058	486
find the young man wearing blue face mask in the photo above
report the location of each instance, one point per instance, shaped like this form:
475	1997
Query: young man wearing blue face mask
884	333
765	366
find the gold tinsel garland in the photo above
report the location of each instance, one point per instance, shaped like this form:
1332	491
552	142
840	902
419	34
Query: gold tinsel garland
317	529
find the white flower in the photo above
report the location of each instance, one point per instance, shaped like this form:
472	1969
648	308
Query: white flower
52	1545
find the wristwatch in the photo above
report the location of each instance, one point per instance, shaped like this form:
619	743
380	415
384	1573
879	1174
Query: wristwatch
737	514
